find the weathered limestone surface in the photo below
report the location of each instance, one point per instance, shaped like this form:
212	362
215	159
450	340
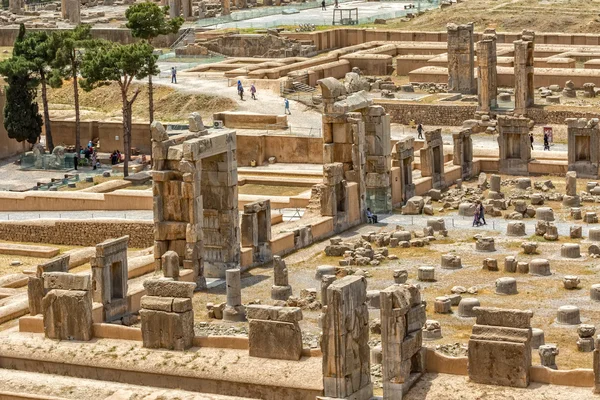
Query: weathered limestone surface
402	320
234	311
432	158
583	146
281	289
274	332
256	230
378	159
345	347
487	77
524	87
166	314
463	152
505	335
404	159
35	284
514	144
461	59
67	306
109	273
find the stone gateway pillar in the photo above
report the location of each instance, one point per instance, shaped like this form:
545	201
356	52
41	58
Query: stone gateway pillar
461	59
584	146
345	341
71	10
463	152
404	159
432	158
514	144
524	89
379	163
487	76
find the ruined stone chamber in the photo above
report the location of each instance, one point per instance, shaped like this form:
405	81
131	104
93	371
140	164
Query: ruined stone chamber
583	146
195	199
432	158
514	144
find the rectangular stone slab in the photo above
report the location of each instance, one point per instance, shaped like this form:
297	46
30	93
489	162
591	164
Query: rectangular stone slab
499	363
274	339
28	250
169	288
503	317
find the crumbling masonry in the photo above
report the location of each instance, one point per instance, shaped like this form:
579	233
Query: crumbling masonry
378	163
404	159
461	59
195	199
256	230
463	152
109	275
514	144
584	146
432	158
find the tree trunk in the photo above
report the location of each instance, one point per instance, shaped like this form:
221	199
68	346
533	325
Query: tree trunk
76	101
150	99
126	133
49	142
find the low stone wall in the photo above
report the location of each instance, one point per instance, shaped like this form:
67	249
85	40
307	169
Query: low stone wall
245	120
285	148
78	233
556	115
440	113
119	35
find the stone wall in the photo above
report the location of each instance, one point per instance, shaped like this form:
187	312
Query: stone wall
549	115
119	35
78	233
442	114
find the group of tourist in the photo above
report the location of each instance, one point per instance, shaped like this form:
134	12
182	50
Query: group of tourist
115	157
479	215
240	89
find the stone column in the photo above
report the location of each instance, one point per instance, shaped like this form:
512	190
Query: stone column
187	9
583	146
226	7
326	281
234	311
524	89
281	289
378	155
71	10
463	152
16	6
548	353
174	8
487	77
571	199
461	56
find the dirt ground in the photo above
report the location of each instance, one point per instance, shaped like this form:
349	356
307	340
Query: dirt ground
568	16
453	387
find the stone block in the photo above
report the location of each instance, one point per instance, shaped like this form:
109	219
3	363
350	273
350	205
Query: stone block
68	315
274	339
167	330
512	371
169	288
273	313
66	281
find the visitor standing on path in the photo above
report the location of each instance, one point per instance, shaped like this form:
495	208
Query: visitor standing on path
323	6
546	142
286	102
531	140
173	75
420	131
253	91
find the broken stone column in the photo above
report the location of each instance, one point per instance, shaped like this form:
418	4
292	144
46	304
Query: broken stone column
334	198
167	315
225	7
524	88
548	353
326	281
402	319
466	306
170	264
67	306
461	59
539	266
571	199
274	332
35	284
281	289
400	276
583	146
234	311
432	158
514	327
506	286
378	160
71	10
495	188
514	144
404	159
16	6
568	315
110	277
341	342
570	250
510	264
426	274
256	230
585	343
487	77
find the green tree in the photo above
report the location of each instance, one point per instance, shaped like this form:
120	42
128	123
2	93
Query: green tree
40	48
68	62
111	62
22	119
147	21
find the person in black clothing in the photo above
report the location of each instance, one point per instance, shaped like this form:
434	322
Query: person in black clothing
420	131
481	213
546	142
323	6
531	139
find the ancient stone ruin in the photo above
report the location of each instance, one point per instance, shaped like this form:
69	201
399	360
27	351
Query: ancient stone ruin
461	60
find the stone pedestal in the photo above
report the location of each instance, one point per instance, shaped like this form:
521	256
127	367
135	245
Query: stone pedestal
539	266
510	264
281	290
568	315
234	311
490	264
548	353
442	305
595	292
570	250
465	307
432	330
523	267
571	282
426	274
485	244
537	338
400	276
515	228
507	286
451	261
575	232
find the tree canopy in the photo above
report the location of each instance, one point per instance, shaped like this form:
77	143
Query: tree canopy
148	20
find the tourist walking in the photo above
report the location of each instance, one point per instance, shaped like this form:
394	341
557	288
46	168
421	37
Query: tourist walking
286	103
476	217
94	160
420	131
546	142
173	75
531	140
481	213
323	6
253	91
241	93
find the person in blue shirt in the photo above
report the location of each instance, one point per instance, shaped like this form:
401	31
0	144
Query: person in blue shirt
286	102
